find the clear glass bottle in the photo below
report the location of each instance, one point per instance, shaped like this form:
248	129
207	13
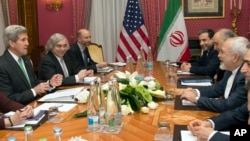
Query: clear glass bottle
28	133
150	63
129	65
57	134
144	61
139	68
118	101
93	109
112	109
101	100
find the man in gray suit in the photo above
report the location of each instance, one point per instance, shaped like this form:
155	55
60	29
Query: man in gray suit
229	92
17	78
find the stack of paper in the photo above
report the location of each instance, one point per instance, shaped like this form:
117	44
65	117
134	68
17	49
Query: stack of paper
119	64
188	136
196	81
65	95
105	69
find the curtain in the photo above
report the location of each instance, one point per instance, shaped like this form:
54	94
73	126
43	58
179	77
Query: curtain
153	13
81	14
105	25
8	15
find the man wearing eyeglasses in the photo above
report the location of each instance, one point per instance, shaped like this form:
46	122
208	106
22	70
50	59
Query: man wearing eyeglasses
208	129
228	93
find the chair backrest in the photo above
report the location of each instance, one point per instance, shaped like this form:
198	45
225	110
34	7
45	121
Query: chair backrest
96	52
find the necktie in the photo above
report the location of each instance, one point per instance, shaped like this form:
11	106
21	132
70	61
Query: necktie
85	58
21	65
228	86
64	68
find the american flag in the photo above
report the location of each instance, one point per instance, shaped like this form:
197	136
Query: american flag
133	35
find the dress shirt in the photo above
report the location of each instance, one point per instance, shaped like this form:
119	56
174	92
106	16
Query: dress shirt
230	83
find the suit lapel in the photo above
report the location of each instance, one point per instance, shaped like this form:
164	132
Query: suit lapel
15	66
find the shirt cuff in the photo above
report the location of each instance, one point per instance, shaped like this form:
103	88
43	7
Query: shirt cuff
50	86
211	135
77	78
197	92
34	93
212	123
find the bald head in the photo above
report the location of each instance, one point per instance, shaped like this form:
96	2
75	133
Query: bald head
220	37
83	37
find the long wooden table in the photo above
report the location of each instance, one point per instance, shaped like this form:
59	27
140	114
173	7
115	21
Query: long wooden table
136	127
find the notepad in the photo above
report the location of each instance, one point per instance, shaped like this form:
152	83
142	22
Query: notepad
105	69
195	80
119	64
188	136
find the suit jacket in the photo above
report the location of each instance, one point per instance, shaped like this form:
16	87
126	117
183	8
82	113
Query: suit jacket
13	82
220	137
12	106
237	95
232	117
207	64
76	58
49	66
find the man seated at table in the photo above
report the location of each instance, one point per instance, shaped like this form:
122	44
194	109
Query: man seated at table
79	53
209	61
208	130
228	93
17	77
218	39
56	61
21	112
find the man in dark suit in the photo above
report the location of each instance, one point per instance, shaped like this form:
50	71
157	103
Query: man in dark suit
56	61
218	39
79	53
17	78
209	61
228	93
206	130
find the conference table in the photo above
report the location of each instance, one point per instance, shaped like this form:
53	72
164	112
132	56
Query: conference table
136	127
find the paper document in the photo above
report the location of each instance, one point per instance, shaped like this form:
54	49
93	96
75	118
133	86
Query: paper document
182	72
188	136
62	107
119	64
187	103
197	84
105	69
65	95
87	80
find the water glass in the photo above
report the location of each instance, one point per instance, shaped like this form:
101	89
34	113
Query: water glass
163	131
53	115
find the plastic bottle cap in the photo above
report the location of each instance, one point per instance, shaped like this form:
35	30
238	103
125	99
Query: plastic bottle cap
11	139
57	130
28	128
43	139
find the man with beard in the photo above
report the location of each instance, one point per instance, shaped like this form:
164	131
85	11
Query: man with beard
79	53
209	62
207	129
228	93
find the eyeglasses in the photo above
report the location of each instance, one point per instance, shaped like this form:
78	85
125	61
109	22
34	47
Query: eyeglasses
62	45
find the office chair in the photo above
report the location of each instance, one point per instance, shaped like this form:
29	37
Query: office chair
96	52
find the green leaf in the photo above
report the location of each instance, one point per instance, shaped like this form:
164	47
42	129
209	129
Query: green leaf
82	114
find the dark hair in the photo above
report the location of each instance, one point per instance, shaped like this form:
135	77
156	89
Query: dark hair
210	32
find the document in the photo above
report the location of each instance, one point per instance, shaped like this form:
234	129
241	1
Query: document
105	69
87	80
66	95
187	103
119	64
183	73
62	107
196	84
188	136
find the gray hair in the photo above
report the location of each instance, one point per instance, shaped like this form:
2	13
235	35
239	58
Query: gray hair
53	40
239	45
11	33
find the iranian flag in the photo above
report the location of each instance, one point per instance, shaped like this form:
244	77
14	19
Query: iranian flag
173	39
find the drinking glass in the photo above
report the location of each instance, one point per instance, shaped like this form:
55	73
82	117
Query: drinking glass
54	115
163	131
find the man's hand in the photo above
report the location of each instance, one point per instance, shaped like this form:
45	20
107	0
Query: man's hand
101	65
56	80
203	133
193	125
41	88
189	94
84	73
